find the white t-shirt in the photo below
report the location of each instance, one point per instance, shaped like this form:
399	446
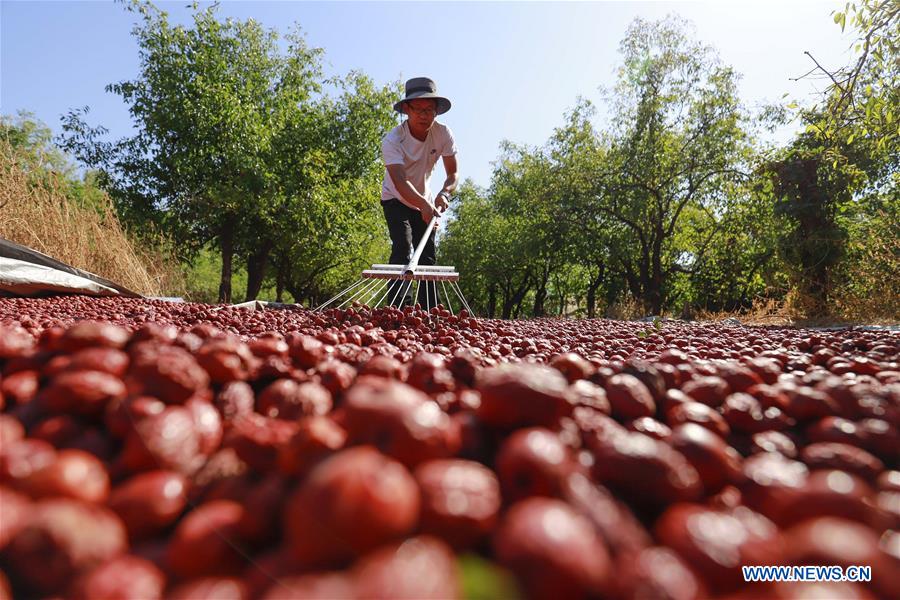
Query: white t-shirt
399	147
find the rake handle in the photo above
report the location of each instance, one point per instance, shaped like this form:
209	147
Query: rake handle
414	261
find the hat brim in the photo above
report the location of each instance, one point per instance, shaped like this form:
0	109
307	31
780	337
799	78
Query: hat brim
443	104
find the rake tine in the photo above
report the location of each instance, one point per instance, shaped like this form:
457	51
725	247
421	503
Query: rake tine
377	290
372	291
359	293
387	290
398	292
468	308
462	298
446	296
358	283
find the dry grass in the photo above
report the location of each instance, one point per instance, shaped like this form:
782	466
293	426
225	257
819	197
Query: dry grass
765	311
791	312
37	212
625	309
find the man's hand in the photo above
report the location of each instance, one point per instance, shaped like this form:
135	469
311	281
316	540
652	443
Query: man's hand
441	201
427	213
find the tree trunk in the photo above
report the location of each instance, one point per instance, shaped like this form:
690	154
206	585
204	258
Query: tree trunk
295	290
492	302
507	308
592	292
279	285
506	299
517	309
515	303
256	269
561	298
281	278
815	266
644	269
540	295
591	302
655	287
653	298
226	240
634	283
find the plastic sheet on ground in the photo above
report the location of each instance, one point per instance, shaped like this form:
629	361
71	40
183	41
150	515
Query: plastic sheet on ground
26	272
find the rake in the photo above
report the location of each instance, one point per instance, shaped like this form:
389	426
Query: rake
385	285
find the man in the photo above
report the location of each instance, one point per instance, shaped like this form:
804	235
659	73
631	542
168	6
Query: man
410	152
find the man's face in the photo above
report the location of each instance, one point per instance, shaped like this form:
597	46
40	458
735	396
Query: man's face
421	111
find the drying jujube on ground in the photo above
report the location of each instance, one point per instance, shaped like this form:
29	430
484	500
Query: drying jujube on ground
153	449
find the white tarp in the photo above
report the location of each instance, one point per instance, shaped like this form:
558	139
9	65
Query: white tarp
260	305
21	278
26	272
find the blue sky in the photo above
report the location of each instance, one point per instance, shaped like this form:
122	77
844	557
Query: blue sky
511	68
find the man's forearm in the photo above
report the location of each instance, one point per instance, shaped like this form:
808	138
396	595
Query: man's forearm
450	183
411	195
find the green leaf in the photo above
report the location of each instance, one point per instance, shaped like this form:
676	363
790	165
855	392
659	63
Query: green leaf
484	580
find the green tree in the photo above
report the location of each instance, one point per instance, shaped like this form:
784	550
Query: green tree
863	98
743	264
676	146
526	189
490	249
207	104
577	152
328	163
33	143
46	164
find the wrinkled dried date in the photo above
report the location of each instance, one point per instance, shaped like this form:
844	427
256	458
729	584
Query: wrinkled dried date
553	550
149	502
717	543
518	395
460	500
629	397
62	539
647	471
206	542
398	419
533	462
342	509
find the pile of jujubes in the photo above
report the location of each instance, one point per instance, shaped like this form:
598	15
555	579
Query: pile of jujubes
151	449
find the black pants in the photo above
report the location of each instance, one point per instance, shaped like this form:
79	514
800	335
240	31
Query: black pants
406	229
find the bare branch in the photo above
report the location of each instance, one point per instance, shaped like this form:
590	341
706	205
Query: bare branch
826	71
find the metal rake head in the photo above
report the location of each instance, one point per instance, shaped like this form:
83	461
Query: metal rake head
390	285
